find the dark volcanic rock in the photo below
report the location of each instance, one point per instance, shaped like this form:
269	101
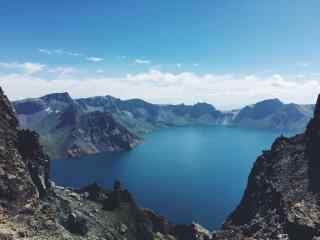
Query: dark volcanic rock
77	224
191	232
38	163
16	187
313	149
159	223
95	193
117	198
281	200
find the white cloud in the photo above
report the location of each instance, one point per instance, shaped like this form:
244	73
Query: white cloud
45	51
62	71
69	53
226	91
142	61
179	65
59	52
94	59
27	67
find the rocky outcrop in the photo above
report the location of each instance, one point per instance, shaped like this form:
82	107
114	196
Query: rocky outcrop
17	189
281	200
191	232
98	132
37	162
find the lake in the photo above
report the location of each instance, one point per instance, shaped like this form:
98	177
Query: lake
184	173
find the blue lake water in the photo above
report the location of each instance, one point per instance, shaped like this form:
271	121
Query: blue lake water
183	173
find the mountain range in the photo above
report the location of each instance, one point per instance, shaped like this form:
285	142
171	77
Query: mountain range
75	127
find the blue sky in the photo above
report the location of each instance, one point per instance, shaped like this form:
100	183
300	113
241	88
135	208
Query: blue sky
113	41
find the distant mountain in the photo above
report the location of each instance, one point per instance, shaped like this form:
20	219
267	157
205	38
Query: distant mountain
68	131
140	116
273	114
77	127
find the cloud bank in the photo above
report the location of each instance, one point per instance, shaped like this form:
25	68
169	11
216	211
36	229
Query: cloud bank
225	91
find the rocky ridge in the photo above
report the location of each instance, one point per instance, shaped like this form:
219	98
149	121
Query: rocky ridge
68	131
66	125
281	200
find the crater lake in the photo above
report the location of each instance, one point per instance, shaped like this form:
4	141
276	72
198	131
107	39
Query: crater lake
184	173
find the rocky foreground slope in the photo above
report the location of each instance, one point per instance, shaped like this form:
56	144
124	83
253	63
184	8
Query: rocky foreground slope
33	208
282	197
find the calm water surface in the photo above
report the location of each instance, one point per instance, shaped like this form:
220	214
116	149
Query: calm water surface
183	173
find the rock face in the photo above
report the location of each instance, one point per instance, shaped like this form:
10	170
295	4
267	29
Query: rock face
281	200
98	132
68	131
17	189
37	162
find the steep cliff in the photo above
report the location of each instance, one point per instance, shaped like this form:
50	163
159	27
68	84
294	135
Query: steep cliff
19	174
281	200
67	130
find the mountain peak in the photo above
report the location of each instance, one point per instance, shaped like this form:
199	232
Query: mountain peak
60	97
276	101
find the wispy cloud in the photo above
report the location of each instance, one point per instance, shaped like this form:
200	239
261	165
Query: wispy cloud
94	59
63	52
59	52
179	65
62	71
28	67
196	64
45	51
69	53
142	61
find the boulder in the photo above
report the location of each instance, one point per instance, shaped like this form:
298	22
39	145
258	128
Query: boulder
77	224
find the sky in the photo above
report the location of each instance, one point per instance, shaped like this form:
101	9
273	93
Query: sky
228	53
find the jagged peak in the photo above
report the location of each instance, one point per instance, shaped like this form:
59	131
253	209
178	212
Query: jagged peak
61	97
271	101
204	104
